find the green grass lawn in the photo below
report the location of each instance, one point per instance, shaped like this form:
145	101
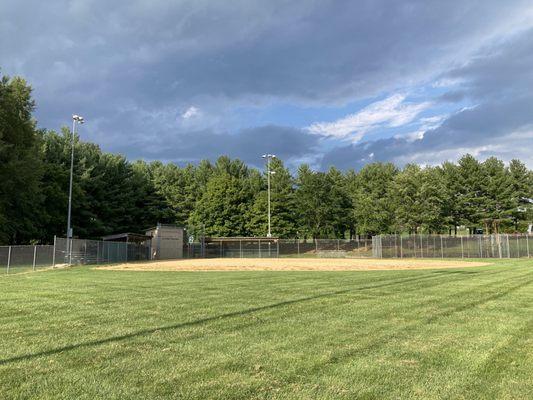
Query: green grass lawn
430	334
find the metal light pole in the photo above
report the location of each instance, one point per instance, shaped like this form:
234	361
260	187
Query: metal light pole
269	157
76	120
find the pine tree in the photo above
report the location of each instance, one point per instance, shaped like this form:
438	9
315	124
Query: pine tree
283	223
20	164
370	191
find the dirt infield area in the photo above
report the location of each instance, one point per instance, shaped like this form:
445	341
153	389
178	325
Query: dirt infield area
291	264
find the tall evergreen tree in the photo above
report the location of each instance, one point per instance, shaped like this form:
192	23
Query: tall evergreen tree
283	221
20	164
497	202
370	191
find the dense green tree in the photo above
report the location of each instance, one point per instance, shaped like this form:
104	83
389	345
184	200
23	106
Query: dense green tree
322	204
470	192
283	221
372	202
223	207
420	199
20	164
521	193
496	198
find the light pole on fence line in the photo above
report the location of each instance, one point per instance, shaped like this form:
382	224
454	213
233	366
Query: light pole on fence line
268	158
76	120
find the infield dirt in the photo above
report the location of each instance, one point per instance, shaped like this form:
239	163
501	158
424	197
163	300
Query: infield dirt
292	264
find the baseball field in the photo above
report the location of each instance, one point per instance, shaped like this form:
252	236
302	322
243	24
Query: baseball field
270	329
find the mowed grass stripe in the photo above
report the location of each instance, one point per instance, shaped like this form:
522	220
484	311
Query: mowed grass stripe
383	284
236	314
211	318
387	334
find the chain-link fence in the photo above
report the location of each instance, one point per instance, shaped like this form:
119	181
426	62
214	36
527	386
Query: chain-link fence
14	259
440	246
83	252
80	252
272	247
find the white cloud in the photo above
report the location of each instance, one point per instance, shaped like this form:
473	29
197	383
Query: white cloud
391	112
191	112
426	124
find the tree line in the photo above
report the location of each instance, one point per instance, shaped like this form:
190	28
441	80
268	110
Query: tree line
228	198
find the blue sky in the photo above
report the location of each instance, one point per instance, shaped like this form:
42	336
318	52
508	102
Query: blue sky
338	83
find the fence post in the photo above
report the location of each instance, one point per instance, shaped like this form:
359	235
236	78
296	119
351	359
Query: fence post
54	255
277	246
527	244
298	245
316	246
85	252
517	247
462	248
441	248
240	247
401	246
508	248
259	240
34	256
8	259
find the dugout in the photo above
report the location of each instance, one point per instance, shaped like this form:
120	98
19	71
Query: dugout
129	246
241	247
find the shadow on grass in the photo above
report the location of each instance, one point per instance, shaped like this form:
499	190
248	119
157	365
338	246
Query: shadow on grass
457	272
380	340
145	332
149	331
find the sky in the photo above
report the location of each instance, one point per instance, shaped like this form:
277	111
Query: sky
328	83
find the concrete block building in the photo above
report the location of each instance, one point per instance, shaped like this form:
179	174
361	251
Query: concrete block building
167	242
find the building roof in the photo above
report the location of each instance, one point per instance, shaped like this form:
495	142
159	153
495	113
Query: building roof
240	238
127	237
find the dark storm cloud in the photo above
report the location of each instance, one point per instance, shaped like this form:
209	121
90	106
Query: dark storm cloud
248	145
131	67
499	81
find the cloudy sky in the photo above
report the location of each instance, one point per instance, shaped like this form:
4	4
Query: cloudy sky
338	83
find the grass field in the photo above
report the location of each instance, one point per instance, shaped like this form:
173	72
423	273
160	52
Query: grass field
85	333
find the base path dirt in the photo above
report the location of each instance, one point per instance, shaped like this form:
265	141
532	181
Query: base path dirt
291	264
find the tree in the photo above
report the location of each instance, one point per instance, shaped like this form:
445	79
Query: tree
521	193
223	207
451	195
470	197
419	197
283	221
320	204
372	203
497	199
20	164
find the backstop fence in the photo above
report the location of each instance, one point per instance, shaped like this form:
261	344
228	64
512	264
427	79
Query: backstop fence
273	247
440	246
84	252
